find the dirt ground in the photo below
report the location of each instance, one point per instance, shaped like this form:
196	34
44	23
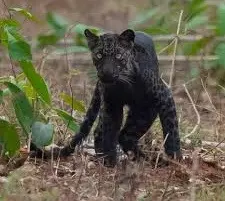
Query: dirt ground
199	176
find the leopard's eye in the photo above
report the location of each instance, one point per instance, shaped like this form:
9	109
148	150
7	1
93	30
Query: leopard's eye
99	55
118	56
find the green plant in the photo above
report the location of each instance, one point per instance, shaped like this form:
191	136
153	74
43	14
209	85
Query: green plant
199	18
59	28
29	93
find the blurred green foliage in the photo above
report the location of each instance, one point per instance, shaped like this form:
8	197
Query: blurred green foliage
28	91
199	18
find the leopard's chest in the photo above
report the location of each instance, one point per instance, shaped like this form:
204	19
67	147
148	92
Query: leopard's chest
126	95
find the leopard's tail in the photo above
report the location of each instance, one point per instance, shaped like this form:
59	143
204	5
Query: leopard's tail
77	139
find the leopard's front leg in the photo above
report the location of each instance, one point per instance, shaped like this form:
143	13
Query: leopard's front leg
111	117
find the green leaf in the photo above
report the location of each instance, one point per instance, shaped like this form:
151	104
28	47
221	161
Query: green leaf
9	138
197	21
29	91
42	134
72	102
70	49
58	23
143	17
154	30
36	81
194	47
25	13
221	19
68	119
44	40
195	8
220	52
18	49
22	107
9	22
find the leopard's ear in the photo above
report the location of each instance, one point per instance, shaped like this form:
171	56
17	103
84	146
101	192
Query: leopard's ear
92	39
128	35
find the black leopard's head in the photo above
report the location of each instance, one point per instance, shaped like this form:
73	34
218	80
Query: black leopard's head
112	55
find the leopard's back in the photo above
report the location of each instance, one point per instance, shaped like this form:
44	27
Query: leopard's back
144	40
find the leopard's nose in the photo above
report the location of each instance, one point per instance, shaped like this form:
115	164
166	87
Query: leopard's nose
107	78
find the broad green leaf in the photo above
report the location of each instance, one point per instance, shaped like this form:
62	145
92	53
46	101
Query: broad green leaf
42	134
14	31
195	8
197	21
9	138
221	19
143	17
58	23
68	120
194	47
220	52
72	102
24	12
70	49
29	91
44	40
22	107
9	22
36	81
18	49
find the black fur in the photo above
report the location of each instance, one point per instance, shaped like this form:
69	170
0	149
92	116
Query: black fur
127	68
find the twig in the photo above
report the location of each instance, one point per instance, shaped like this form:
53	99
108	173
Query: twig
70	85
29	142
165	48
160	151
57	165
164	80
12	68
167	184
221	87
210	100
10	15
196	111
217	145
193	175
43	60
175	49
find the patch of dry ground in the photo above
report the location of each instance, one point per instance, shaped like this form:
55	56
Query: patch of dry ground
79	178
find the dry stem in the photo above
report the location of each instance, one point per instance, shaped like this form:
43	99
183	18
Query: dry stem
160	151
196	111
175	49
